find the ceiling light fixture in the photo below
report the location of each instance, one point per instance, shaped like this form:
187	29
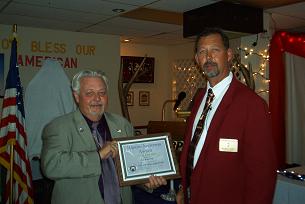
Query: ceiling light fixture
118	10
126	40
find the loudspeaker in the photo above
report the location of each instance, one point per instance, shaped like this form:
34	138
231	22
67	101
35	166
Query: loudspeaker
228	16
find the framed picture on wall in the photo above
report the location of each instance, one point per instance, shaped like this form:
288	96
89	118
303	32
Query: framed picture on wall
144	98
131	64
130	98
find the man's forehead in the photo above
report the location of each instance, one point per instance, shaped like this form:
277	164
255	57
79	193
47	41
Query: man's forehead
211	39
210	44
91	88
92	82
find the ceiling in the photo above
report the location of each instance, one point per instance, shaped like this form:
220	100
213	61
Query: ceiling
142	21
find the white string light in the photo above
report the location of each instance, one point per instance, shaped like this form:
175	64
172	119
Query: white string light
259	75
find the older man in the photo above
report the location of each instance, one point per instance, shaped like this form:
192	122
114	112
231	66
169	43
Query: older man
78	148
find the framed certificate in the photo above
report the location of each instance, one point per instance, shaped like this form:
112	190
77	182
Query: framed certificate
143	156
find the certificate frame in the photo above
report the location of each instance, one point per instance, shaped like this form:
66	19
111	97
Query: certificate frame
144	98
130	98
147	154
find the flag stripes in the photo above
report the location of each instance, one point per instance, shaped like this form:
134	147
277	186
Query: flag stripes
12	131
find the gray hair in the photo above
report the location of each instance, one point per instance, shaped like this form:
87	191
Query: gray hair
75	84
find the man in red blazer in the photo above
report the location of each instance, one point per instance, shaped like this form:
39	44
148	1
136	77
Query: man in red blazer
234	160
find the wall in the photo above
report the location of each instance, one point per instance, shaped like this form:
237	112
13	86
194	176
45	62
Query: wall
257	62
163	88
183	55
36	42
159	90
77	51
183	52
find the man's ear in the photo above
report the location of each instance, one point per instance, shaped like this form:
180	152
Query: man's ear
76	97
196	59
230	54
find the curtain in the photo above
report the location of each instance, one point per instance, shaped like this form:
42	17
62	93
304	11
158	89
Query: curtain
295	108
281	42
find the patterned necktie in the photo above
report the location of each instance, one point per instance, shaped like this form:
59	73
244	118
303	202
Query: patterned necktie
108	178
197	134
99	143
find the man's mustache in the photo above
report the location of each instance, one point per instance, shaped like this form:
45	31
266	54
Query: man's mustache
209	63
96	104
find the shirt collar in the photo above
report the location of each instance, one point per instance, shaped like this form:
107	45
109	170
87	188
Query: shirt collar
219	87
90	122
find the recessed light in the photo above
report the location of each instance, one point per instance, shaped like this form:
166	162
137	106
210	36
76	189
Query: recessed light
126	40
118	10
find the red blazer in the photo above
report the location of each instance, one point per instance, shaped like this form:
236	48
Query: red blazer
244	177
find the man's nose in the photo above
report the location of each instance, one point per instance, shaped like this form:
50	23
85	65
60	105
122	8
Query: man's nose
209	54
96	97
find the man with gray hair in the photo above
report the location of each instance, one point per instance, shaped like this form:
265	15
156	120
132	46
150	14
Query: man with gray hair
79	147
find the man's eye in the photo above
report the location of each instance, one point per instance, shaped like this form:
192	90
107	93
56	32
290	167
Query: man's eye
89	94
214	50
102	93
202	52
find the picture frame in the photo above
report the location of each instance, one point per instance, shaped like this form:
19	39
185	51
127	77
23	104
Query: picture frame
140	157
144	98
130	65
130	98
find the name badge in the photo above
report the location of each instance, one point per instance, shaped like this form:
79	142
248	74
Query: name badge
228	145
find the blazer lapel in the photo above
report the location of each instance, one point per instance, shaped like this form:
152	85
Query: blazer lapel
115	131
83	130
188	134
198	100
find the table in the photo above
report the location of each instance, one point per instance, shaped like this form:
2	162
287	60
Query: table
290	191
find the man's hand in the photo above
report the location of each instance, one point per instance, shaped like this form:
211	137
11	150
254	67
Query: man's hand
155	182
180	196
109	149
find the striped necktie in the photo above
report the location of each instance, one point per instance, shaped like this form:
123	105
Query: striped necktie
197	134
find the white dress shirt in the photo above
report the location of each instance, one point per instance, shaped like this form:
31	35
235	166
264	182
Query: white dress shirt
219	91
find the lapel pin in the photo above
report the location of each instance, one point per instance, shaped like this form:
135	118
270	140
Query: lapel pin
81	129
119	130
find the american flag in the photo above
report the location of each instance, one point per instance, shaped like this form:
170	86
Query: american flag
13	131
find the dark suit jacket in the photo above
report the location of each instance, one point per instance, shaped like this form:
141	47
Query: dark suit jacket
244	177
69	157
